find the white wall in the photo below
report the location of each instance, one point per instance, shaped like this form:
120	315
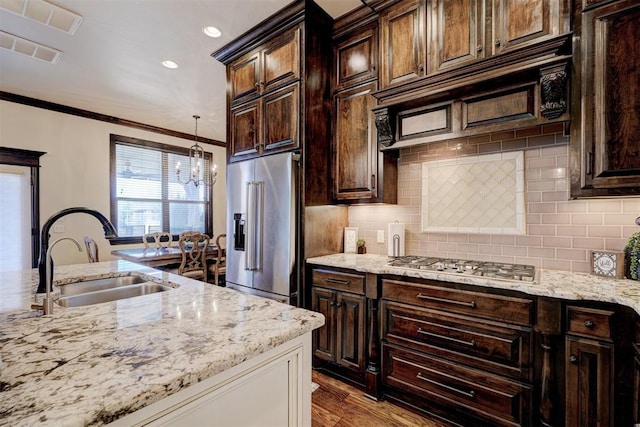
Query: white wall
75	170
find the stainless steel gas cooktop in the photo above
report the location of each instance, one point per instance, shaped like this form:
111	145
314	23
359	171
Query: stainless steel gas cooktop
497	270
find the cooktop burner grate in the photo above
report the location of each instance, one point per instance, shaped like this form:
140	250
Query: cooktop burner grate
498	270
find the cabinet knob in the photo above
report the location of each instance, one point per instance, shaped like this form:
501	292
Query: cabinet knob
332	304
498	42
479	48
339	304
589	324
573	359
421	68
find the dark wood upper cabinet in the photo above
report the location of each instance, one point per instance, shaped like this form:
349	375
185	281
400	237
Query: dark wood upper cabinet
244	129
361	172
356	58
605	140
244	76
518	23
355	151
279	93
456	33
281	119
271	66
402	52
281	60
464	31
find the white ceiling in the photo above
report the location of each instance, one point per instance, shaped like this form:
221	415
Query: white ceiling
112	64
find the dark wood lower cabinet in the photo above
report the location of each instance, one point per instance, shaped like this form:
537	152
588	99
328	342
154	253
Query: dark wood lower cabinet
341	339
589	376
475	356
470	394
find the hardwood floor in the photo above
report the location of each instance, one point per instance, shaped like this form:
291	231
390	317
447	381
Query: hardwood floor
336	404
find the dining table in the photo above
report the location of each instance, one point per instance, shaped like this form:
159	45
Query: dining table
163	257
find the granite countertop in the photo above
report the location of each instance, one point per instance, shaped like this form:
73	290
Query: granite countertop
91	365
548	283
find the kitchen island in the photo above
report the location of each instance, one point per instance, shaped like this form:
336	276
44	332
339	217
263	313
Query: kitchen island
133	360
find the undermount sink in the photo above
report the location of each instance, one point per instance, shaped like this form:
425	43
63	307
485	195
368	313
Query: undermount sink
97	291
98	285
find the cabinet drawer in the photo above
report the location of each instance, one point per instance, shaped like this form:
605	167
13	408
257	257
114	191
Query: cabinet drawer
498	307
501	349
338	281
589	322
497	400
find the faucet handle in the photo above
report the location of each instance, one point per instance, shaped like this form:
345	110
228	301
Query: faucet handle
46	306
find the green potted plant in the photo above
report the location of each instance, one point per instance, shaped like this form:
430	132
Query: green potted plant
361	245
632	257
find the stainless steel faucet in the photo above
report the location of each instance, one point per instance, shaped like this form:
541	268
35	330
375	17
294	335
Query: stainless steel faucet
47	301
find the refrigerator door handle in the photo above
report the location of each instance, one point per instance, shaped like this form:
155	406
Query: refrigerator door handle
259	223
253	254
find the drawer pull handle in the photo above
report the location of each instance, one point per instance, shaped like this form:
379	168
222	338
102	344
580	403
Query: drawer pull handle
339	282
470	394
589	324
471	304
471	343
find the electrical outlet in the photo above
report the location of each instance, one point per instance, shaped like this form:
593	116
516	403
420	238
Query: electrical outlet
380	238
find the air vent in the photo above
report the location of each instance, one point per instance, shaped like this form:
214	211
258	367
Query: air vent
45	13
29	48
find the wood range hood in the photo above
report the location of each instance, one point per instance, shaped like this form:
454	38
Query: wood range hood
519	88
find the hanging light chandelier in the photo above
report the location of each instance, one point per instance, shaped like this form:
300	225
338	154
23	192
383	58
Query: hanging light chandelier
197	175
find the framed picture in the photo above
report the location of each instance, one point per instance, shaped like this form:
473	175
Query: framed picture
350	239
607	264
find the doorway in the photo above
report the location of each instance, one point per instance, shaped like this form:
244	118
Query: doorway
19	209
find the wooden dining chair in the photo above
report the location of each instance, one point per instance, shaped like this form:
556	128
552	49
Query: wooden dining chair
220	264
92	249
193	246
160	239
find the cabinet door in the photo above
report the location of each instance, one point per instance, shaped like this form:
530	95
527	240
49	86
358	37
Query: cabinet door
280	119
456	33
323	302
589	383
350	327
520	22
281	60
356	58
610	100
245	129
402	52
356	153
244	76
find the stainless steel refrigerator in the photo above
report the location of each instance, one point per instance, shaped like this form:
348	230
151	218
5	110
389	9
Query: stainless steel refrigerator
263	227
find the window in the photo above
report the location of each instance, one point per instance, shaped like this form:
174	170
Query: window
146	194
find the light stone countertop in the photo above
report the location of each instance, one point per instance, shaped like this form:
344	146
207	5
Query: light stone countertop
91	365
549	283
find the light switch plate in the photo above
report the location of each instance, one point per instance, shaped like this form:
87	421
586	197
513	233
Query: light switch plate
380	238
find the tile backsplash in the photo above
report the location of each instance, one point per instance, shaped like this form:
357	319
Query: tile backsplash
559	232
474	194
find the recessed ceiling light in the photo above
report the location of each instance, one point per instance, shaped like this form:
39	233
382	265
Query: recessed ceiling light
169	63
212	32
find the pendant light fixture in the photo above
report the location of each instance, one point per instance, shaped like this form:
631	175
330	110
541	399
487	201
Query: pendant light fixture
197	175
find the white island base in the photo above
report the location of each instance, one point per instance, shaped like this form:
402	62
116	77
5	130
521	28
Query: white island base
272	389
